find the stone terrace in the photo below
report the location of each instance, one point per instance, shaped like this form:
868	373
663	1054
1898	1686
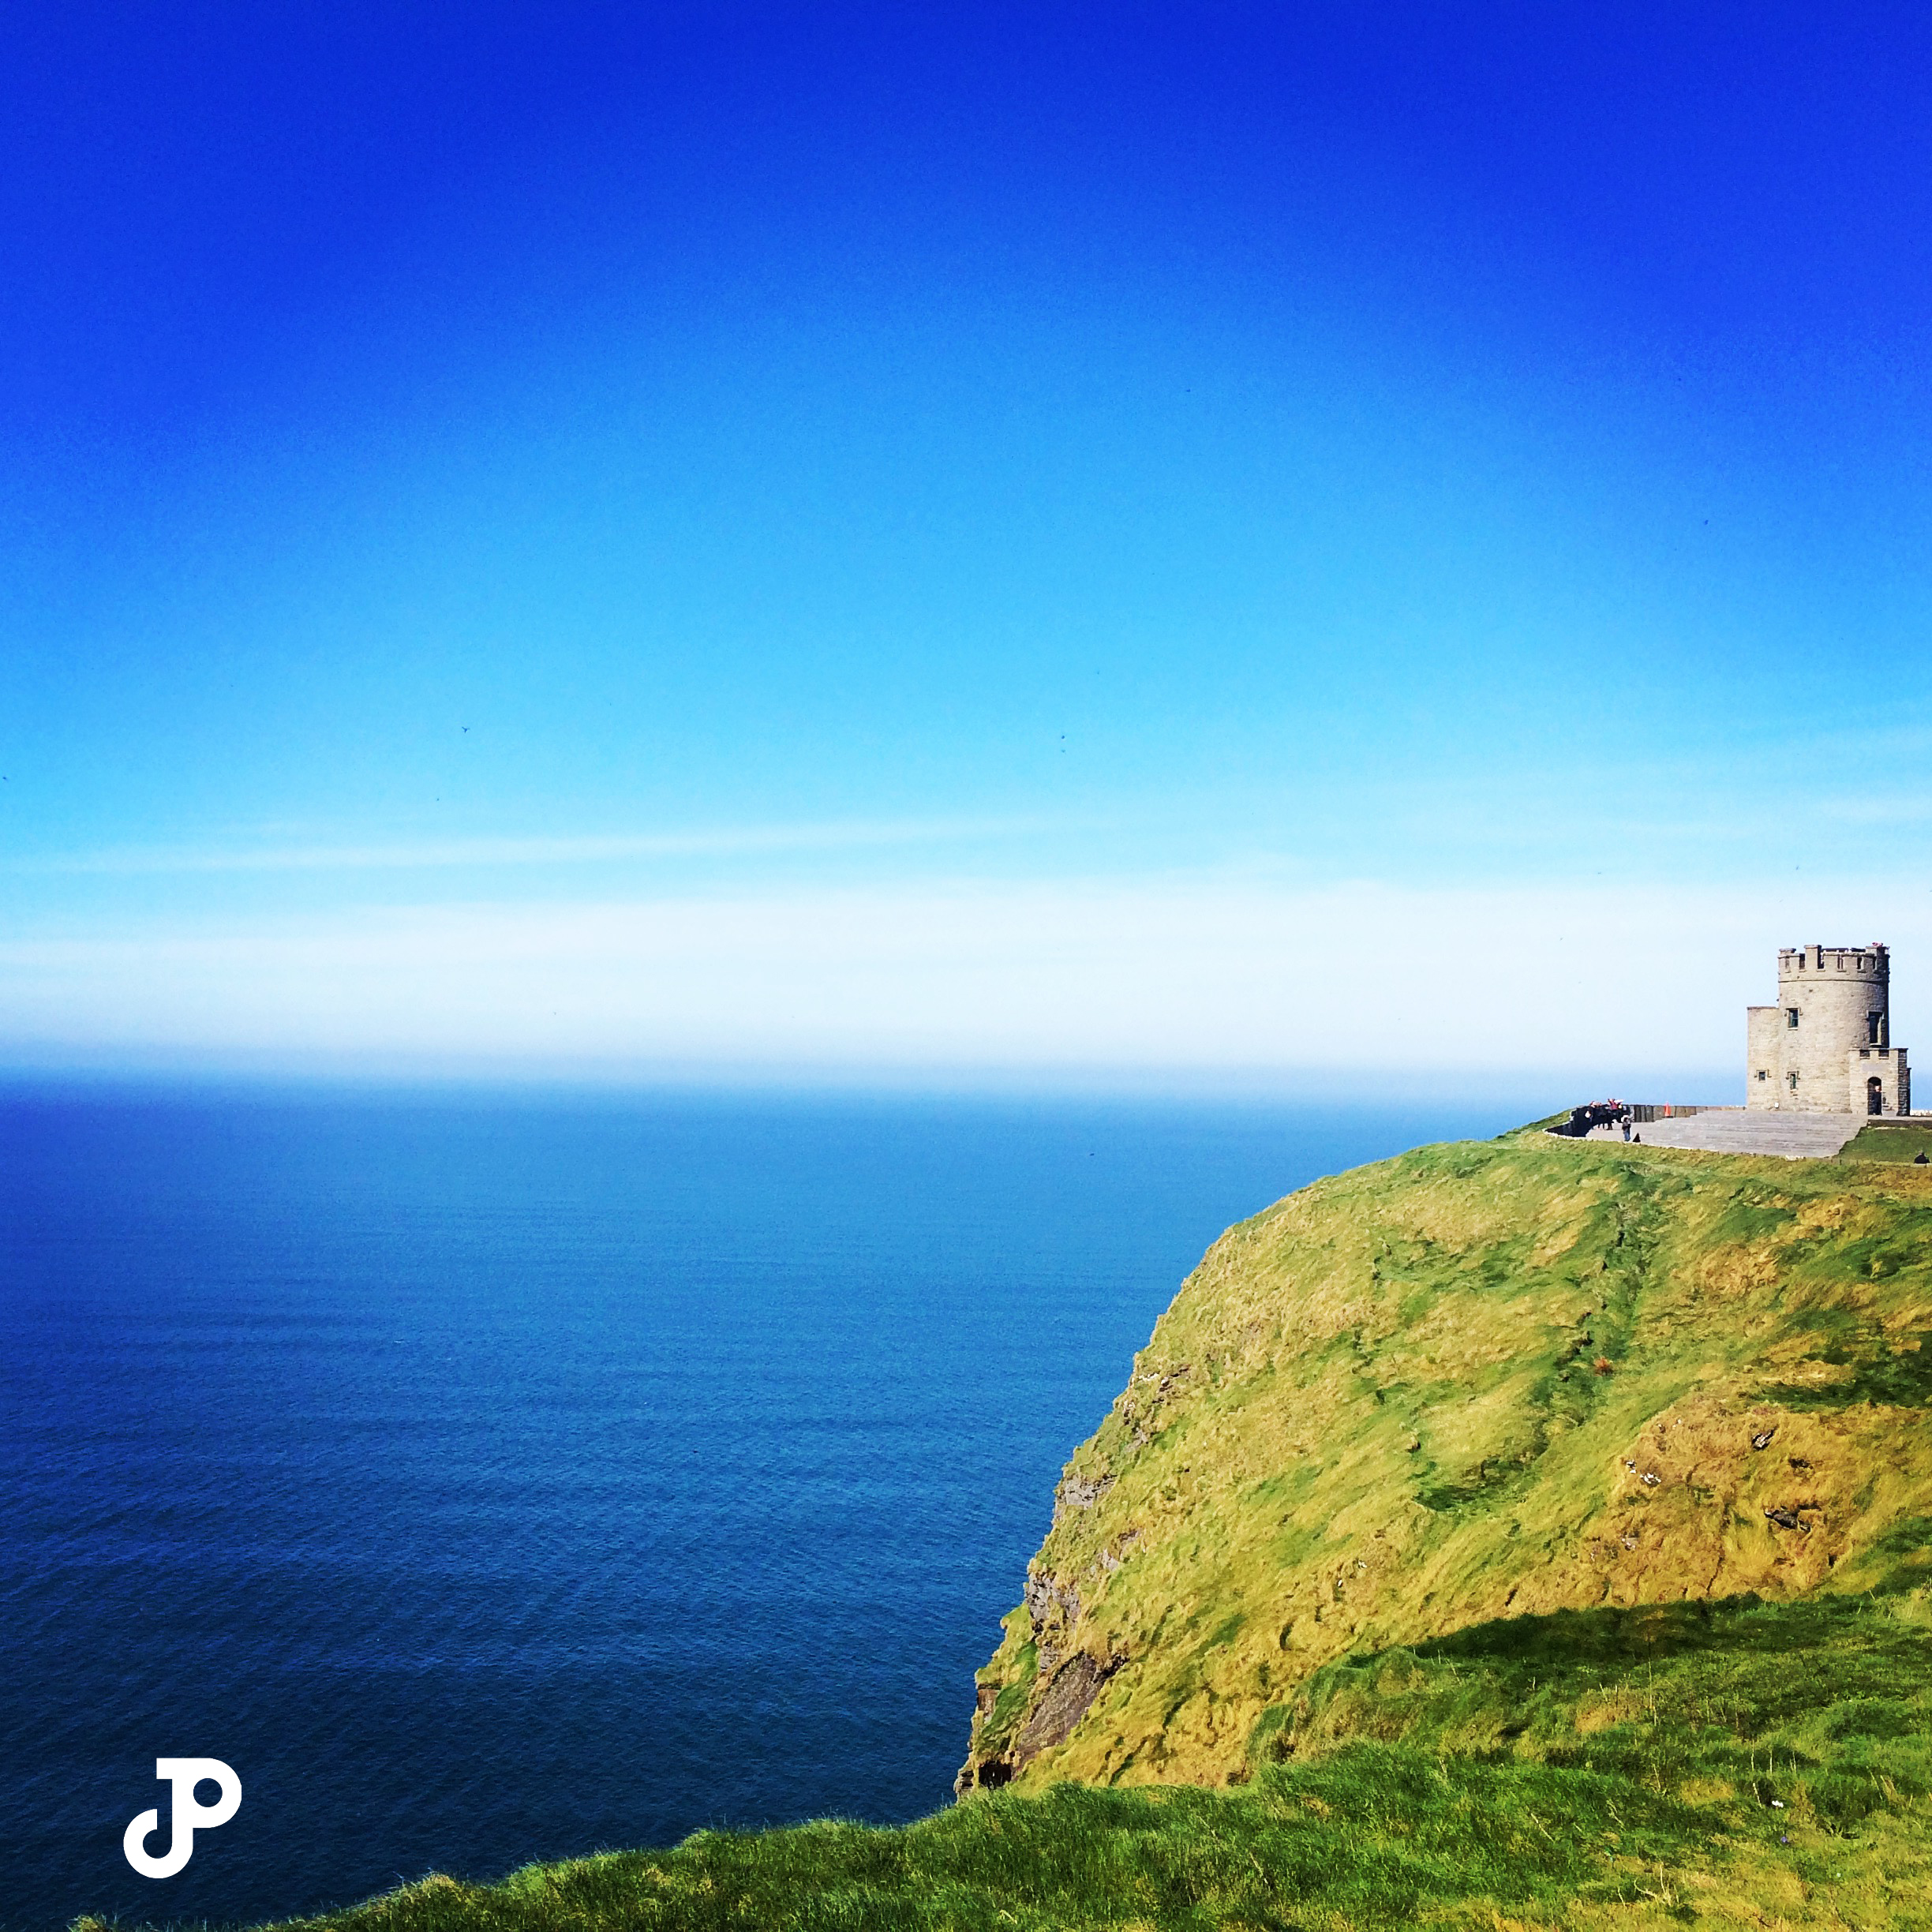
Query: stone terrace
1736	1130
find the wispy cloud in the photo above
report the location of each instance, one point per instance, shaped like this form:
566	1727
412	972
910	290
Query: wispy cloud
1375	981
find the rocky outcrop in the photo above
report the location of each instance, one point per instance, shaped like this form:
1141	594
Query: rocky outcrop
1064	1703
1079	1492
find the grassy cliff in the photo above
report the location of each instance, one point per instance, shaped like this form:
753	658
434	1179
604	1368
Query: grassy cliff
1478	1382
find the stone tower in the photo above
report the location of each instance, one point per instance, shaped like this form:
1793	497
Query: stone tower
1826	1047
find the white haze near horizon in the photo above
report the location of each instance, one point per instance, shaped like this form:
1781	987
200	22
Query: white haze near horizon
1157	981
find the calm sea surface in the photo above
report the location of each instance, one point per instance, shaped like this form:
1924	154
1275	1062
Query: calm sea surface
494	1480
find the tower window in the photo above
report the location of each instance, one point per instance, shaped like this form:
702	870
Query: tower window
1871	1028
1791	1015
1762	1074
1791	1080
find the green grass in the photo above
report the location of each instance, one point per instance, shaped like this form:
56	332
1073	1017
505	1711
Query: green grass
1594	1768
1904	1143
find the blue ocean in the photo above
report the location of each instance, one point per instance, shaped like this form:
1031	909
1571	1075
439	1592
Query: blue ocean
490	1479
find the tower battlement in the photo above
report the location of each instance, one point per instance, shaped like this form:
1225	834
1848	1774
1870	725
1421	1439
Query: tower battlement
1871	962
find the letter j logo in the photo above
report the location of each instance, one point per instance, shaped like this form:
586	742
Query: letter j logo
183	1774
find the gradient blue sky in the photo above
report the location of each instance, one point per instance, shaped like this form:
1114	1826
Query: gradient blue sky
1054	541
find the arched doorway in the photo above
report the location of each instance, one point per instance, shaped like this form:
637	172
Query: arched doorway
1874	1095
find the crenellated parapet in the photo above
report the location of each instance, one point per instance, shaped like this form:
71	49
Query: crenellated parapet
1810	965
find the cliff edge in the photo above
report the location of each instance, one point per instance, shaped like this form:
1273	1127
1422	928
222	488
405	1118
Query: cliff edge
1476	1381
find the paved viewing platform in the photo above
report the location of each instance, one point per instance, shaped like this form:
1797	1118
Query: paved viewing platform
1739	1130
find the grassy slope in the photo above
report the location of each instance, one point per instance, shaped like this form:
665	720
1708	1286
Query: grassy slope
1372	1415
1890	1143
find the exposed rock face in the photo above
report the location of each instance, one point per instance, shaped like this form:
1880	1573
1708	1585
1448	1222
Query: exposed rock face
1079	1492
1475	1382
1063	1705
1048	1601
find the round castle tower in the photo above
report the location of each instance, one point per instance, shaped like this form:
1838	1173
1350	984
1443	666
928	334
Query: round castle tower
1826	1047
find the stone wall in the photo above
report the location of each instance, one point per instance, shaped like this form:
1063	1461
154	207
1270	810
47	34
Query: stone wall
1883	1069
1764	1056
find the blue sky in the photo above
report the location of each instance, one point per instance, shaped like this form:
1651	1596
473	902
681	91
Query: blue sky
985	541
